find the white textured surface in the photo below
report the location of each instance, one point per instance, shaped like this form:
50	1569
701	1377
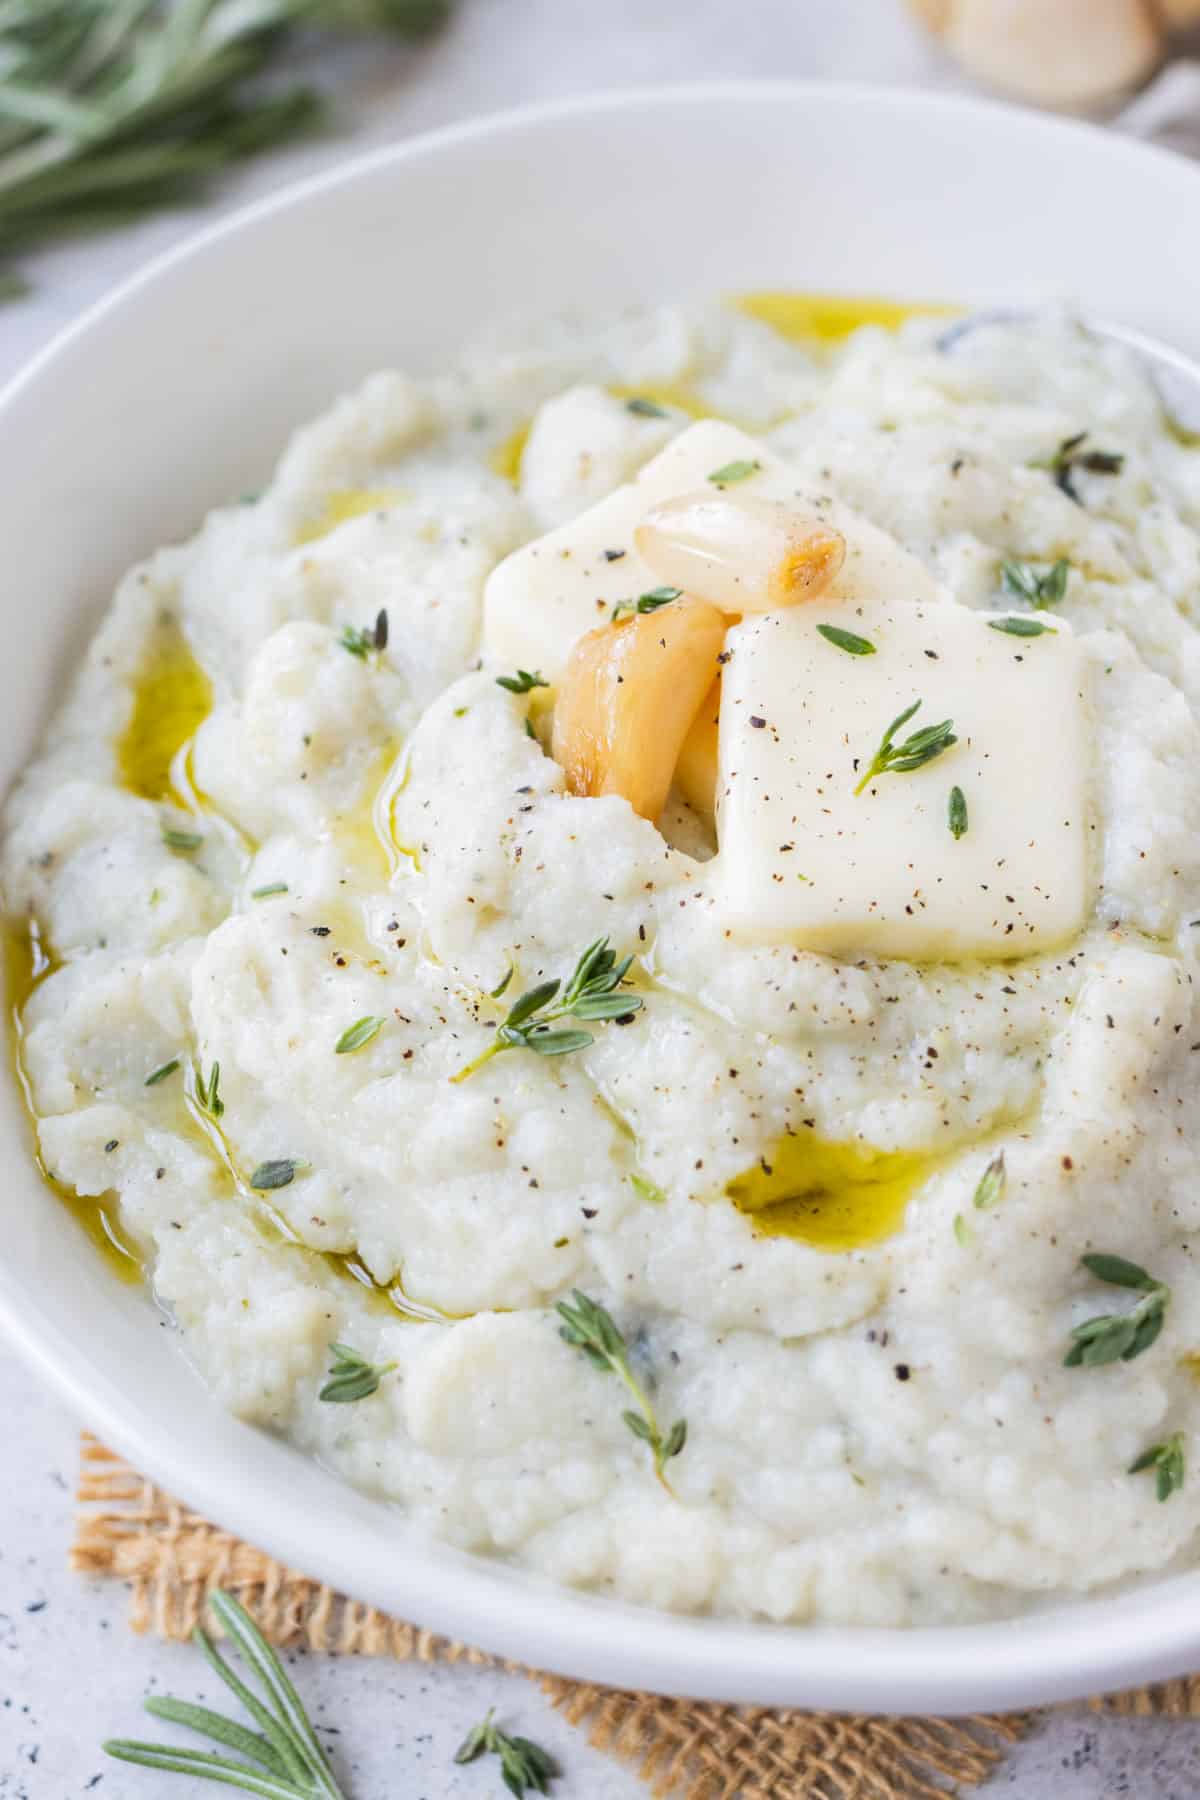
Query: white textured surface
69	1671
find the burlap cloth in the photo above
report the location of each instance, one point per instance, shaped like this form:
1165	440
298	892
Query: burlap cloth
129	1529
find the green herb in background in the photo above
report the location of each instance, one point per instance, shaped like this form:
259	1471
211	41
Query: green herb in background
1071	456
283	1759
523	682
361	642
588	1327
524	1766
112	108
1022	581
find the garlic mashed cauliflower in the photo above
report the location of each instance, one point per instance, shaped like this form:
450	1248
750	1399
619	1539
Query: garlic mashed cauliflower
835	1205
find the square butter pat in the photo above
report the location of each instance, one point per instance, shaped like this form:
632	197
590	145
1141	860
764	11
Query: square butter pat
546	595
805	860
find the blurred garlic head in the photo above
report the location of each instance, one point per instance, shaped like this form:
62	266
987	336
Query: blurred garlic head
1055	52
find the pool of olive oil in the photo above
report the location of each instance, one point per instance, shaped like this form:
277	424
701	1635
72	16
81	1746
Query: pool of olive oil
834	1196
830	318
172	697
344	504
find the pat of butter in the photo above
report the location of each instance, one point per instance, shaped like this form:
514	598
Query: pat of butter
543	597
805	860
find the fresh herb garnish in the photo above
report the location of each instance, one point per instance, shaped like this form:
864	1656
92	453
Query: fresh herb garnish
1168	1462
734	471
1023	628
351	1376
272	887
1120	1337
848	641
279	1173
523	681
1071	456
991	1184
962	1230
646	409
588	1327
956	813
524	1766
1022	580
591	993
645	603
645	1189
111	111
284	1759
913	753
208	1093
358	1034
371	637
168	1068
175	839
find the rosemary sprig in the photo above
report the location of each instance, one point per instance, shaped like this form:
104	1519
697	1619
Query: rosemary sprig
1113	1337
1022	581
590	1328
109	108
913	753
351	1376
1071	456
372	638
524	1766
645	603
591	993
523	682
1168	1462
283	1759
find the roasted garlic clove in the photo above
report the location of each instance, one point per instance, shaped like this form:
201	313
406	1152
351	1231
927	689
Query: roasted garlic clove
628	696
1057	52
742	554
696	770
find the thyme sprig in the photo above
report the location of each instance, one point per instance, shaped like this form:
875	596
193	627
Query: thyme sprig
1113	1337
283	1759
645	603
1071	456
917	750
588	1327
1022	581
351	1377
208	1093
371	639
108	111
524	1766
591	993
523	682
1168	1463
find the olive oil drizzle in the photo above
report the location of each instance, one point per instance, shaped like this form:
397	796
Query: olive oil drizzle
172	697
829	319
833	1196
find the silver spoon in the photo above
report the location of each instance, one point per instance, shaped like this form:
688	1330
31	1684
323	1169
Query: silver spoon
1175	377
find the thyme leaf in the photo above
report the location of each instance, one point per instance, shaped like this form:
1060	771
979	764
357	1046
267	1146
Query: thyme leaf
358	1034
849	641
913	753
739	470
278	1173
992	1183
351	1377
1022	628
523	682
1113	1337
176	839
1022	581
272	887
282	1759
524	1766
645	603
956	813
588	1327
208	1093
591	993
1168	1463
1071	456
645	1189
160	1074
646	409
370	638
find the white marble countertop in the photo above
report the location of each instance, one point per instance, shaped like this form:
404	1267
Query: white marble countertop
70	1671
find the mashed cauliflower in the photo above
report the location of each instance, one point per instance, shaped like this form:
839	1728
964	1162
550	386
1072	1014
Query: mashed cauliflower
881	1427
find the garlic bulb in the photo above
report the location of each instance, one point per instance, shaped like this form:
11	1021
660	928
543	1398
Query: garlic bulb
1056	52
743	555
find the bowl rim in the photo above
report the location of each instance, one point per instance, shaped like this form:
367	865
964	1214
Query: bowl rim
1154	1630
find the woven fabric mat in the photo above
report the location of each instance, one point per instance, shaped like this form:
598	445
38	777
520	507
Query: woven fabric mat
687	1750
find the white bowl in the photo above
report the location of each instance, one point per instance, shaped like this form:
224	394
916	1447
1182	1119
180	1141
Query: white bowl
180	390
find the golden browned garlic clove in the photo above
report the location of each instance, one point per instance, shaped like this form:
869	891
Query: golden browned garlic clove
744	555
1057	52
696	770
628	696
